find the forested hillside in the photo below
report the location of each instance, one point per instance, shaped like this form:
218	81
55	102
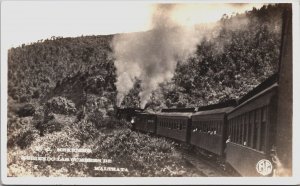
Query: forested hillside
225	66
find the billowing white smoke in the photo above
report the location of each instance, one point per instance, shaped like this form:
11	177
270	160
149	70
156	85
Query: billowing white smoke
152	56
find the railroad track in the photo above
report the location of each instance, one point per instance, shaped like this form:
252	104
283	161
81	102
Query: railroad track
205	167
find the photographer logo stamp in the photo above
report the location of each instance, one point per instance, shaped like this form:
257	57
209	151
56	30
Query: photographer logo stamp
264	167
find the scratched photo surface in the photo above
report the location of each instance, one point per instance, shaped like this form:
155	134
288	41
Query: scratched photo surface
149	90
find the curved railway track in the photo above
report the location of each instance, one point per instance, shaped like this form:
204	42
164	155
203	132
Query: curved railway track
205	167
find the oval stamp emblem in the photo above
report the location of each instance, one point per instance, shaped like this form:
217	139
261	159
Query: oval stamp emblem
264	167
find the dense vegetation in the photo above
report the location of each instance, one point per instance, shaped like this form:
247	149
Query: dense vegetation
62	94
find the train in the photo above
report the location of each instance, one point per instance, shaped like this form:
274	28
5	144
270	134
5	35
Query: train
248	133
237	130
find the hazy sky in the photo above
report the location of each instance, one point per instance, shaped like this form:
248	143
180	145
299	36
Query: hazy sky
25	22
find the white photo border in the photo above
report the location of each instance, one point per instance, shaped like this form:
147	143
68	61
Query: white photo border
295	179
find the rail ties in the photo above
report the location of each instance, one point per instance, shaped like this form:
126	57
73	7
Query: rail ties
205	168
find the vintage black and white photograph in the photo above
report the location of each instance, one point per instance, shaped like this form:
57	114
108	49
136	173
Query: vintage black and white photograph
145	89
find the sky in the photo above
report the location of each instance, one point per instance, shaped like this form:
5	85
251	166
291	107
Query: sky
30	21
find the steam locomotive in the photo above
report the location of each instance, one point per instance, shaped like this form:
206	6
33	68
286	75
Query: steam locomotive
247	132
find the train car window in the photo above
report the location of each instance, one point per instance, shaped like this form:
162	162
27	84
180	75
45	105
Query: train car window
247	128
184	125
200	126
232	133
258	119
219	131
241	130
229	128
263	129
216	127
254	130
233	130
208	127
238	129
251	123
175	125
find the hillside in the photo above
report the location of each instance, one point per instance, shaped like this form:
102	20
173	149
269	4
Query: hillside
224	66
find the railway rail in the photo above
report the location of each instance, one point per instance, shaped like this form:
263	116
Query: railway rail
205	168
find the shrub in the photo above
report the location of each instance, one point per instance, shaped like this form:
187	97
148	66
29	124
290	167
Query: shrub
60	105
25	139
96	117
26	110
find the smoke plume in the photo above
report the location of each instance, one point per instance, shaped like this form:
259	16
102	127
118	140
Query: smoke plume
152	56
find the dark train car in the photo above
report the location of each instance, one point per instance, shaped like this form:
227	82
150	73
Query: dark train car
175	125
145	122
261	126
127	113
251	128
209	124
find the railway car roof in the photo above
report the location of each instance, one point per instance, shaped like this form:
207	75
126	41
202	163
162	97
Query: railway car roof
273	79
185	114
146	113
228	103
256	96
183	110
214	111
